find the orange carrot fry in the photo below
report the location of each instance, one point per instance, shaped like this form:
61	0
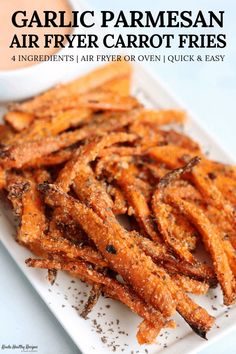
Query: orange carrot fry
197	317
171	155
213	195
167	227
119	250
107	101
16	186
190	285
209	233
167	223
20	154
88	154
212	240
96	100
147	332
227	232
72	251
126	181
97	199
94	195
121	86
33	221
162	117
51	160
110	287
129	298
119	202
227	186
82	85
159	254
18	120
52	126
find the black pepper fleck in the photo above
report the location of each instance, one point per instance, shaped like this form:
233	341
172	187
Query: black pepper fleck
212	175
111	249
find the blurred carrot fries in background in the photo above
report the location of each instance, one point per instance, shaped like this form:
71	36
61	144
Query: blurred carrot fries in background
109	192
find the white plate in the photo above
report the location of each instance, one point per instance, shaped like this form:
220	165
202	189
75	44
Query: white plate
111	326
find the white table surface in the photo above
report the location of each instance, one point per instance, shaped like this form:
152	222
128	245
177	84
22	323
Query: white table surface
210	91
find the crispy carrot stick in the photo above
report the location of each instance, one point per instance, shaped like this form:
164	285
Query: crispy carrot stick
226	185
3	130
226	231
213	243
16	186
212	194
190	285
127	181
96	101
111	287
203	183
52	126
167	227
102	100
51	160
71	251
79	86
176	156
41	243
209	233
120	205
181	140
162	117
95	197
187	235
172	156
157	170
158	253
20	154
90	191
219	169
196	316
109	160
33	220
120	151
216	217
87	154
119	250
41	175
121	86
147	332
19	120
164	217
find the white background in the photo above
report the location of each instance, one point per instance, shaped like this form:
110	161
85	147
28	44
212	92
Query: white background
209	90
